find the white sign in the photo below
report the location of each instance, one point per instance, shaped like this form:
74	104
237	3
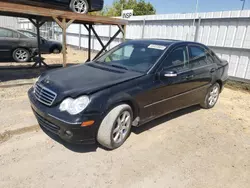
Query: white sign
158	47
126	14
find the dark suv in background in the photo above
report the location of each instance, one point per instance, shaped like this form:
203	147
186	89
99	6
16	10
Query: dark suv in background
16	45
133	83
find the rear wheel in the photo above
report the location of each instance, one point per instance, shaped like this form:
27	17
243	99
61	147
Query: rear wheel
79	6
115	127
21	55
212	96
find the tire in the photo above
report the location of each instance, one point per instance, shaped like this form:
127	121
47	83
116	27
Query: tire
211	97
55	50
111	133
79	6
21	55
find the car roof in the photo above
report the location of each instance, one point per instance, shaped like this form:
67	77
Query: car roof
166	42
17	31
25	30
8	29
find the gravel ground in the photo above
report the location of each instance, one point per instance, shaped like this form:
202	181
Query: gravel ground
189	148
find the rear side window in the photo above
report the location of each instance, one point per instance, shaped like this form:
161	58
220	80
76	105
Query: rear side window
8	33
215	57
15	35
199	57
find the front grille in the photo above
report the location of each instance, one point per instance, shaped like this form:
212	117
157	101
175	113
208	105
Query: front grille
44	95
46	124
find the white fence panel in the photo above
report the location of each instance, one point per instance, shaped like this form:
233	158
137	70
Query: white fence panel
227	33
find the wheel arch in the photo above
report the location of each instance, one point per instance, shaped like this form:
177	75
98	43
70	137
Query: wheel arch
123	99
54	46
220	83
26	48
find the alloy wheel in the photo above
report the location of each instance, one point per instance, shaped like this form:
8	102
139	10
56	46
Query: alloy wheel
80	6
213	95
121	128
21	55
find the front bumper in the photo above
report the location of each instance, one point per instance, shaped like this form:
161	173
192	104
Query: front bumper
71	132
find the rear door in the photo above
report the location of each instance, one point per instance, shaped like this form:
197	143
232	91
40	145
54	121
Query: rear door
203	67
8	41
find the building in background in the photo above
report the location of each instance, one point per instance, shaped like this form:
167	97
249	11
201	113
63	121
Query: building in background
9	22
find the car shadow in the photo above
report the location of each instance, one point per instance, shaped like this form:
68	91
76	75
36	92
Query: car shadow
81	148
163	119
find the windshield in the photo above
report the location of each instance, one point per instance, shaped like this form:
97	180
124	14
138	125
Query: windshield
133	56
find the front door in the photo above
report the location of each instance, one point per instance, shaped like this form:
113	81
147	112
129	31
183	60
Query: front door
172	86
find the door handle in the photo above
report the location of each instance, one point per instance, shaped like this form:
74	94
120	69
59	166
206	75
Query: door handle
189	77
170	74
212	70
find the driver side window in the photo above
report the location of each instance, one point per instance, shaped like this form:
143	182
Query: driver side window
178	59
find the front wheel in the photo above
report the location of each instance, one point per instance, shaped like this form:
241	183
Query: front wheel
21	55
79	6
115	127
212	96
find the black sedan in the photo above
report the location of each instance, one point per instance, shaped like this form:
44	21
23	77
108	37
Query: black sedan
16	45
130	85
79	6
47	46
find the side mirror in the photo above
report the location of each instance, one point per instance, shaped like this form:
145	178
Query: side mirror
168	74
43	41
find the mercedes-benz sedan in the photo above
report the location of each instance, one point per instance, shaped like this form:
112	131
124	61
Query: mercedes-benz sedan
134	83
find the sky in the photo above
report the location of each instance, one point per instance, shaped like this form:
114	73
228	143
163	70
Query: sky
187	6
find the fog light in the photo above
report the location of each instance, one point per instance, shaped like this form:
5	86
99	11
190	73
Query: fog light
68	133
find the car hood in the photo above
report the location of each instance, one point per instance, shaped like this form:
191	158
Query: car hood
85	79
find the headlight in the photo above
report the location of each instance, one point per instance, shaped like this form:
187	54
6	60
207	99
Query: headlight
74	106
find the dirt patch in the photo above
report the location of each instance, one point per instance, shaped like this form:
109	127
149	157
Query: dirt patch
236	85
8	134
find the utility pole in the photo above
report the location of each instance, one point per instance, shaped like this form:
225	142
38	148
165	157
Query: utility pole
243	4
196	11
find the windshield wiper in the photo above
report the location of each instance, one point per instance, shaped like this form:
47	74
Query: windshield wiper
119	66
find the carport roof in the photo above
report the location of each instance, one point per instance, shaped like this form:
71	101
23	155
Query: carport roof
47	14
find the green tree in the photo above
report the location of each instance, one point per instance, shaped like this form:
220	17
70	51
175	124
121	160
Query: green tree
140	7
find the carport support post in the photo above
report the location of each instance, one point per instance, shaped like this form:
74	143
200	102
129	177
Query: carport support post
89	43
89	40
110	40
124	32
38	24
64	25
64	43
197	30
